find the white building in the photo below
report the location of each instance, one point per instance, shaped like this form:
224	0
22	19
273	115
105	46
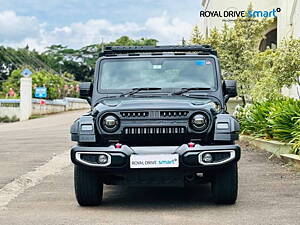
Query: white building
287	24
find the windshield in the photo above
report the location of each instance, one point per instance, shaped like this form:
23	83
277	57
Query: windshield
158	73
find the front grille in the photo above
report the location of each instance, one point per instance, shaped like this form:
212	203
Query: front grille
154	130
155	114
134	114
176	114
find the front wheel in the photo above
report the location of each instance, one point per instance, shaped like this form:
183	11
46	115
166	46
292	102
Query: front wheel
88	187
225	185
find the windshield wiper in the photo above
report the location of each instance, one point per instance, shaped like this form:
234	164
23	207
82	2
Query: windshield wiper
184	90
136	90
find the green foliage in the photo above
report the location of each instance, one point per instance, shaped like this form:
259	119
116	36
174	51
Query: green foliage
54	82
60	59
296	138
287	64
236	46
274	69
265	84
12	59
260	75
254	119
57	66
81	62
278	119
283	118
6	119
197	37
126	41
13	81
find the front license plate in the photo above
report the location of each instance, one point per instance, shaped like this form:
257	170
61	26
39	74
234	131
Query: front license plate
154	161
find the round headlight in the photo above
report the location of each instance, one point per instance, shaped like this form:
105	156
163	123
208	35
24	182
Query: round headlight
110	123
199	122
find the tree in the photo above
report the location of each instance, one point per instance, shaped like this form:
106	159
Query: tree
60	60
197	37
287	65
126	41
236	46
53	82
81	62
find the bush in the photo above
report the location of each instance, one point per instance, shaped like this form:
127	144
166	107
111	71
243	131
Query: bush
283	119
278	119
7	119
254	119
54	83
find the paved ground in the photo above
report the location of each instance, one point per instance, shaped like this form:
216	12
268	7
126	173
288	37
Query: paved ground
269	193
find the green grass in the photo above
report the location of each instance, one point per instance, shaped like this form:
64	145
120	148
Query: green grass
36	117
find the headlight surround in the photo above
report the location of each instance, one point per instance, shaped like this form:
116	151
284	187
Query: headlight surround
110	123
199	121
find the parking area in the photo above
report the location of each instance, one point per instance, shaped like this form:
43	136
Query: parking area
268	193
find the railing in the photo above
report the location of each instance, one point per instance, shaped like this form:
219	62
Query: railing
11	107
64	102
9	102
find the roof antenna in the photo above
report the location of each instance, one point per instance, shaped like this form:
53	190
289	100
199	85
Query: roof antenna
183	41
102	45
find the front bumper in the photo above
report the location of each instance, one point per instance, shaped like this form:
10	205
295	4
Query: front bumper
190	158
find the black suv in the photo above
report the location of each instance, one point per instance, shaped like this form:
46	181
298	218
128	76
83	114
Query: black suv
158	118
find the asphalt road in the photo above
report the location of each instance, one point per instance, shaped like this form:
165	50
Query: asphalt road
39	191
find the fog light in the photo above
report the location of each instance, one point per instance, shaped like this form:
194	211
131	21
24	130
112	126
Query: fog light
103	159
207	157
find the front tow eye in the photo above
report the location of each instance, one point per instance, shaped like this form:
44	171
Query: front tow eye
118	145
191	145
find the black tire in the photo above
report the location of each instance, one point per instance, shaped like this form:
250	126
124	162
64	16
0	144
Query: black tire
225	185
88	187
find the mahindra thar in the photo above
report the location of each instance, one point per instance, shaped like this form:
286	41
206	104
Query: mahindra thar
158	118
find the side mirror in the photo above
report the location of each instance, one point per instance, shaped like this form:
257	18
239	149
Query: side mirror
86	90
230	89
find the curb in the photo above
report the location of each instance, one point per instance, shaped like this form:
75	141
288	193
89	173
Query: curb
291	159
275	147
279	149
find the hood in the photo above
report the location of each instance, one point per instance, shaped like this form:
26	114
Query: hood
160	102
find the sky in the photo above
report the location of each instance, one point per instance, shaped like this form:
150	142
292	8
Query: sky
77	23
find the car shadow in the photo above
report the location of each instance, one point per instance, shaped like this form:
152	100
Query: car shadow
141	198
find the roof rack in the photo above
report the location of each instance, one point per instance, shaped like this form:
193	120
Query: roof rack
200	49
